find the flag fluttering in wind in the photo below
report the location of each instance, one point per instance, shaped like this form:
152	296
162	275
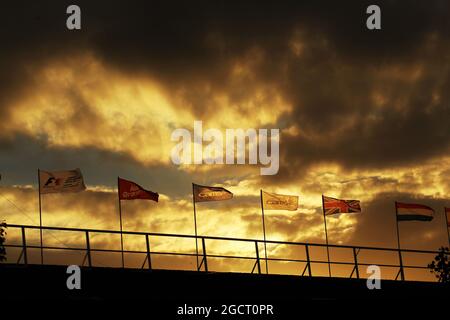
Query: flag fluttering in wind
129	190
57	182
334	206
413	212
204	193
273	201
61	181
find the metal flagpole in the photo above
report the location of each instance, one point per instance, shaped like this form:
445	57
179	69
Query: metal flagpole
402	275
195	225
120	218
264	232
40	215
326	236
446	225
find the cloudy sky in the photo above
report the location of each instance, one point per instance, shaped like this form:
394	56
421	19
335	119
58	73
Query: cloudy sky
362	114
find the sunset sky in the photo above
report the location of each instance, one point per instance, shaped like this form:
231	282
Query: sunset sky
362	114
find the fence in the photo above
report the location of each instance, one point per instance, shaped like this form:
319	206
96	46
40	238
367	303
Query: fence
258	260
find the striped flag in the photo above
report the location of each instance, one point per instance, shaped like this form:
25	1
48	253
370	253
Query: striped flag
413	212
273	201
447	214
334	206
205	193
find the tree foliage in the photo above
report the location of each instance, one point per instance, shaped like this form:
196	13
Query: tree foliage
440	266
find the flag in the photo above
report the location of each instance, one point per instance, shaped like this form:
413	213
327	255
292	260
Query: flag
61	181
273	201
129	190
334	206
204	193
447	214
412	211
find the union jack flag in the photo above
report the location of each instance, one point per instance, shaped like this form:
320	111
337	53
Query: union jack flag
334	206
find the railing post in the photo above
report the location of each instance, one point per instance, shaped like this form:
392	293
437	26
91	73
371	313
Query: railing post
308	263
402	273
257	257
24	246
148	252
88	249
204	254
355	256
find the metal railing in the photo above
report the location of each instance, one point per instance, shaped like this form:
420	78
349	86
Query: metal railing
356	263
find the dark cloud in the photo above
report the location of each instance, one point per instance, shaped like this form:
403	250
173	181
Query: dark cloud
23	155
377	226
330	84
339	121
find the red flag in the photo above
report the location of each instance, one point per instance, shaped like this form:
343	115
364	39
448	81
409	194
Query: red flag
129	190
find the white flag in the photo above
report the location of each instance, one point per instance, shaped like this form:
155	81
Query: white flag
61	181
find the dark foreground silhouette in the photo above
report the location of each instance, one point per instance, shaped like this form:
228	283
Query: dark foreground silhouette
49	282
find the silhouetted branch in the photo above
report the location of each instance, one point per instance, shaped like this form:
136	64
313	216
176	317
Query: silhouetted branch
440	266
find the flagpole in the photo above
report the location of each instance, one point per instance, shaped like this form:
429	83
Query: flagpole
326	236
120	219
446	225
264	231
402	274
195	225
40	215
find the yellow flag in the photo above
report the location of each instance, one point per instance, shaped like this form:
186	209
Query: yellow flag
273	201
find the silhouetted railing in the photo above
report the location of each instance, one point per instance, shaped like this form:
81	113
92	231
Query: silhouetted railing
307	270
